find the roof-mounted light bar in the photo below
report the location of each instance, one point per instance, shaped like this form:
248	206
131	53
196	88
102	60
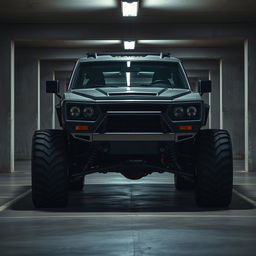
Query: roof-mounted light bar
130	8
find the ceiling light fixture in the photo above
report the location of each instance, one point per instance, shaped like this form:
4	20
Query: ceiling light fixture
129	45
130	8
128	74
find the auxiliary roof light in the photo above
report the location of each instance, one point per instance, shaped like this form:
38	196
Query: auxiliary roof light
129	45
130	8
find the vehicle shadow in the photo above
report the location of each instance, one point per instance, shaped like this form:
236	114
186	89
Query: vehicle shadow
131	198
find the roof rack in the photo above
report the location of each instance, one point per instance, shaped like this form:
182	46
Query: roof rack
127	54
123	54
165	55
91	55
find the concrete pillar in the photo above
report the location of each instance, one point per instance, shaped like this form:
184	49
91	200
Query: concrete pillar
47	100
232	102
214	76
250	93
206	98
209	121
27	101
6	106
197	73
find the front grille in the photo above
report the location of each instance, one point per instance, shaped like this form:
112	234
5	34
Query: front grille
133	123
132	107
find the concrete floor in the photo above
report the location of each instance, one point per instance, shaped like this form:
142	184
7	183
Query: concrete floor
116	216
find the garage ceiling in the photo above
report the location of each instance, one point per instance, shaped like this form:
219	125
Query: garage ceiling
140	45
98	11
192	43
68	43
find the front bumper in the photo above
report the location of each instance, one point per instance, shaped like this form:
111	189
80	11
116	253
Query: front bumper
134	122
95	137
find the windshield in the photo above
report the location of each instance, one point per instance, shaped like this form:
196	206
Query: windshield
129	74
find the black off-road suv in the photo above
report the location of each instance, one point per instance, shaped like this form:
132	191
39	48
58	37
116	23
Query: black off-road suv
134	114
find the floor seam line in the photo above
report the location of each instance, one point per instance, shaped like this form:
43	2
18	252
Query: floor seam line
246	198
12	201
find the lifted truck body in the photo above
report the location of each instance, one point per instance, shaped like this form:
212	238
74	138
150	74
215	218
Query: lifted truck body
134	115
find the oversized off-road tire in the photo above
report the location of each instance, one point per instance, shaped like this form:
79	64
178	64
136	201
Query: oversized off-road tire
77	185
182	183
49	169
214	169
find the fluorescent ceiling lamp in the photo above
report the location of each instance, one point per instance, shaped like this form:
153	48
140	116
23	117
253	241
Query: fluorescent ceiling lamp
129	8
128	79
128	74
129	45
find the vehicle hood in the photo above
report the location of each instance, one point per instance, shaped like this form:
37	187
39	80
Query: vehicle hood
129	93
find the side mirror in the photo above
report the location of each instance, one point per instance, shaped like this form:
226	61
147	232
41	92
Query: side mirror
52	86
204	87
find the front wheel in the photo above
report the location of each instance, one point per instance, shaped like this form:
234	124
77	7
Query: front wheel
214	168
49	169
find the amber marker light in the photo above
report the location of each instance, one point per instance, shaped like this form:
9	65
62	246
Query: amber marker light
81	127
185	127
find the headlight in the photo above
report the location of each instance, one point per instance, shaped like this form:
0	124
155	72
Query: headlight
75	111
178	112
88	112
191	111
82	112
186	111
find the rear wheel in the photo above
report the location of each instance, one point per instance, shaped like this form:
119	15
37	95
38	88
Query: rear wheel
214	168
49	169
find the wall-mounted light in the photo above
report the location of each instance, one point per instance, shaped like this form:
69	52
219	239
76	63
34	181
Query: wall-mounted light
129	45
130	8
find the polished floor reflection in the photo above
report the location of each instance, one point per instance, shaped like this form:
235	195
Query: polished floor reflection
151	198
115	216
